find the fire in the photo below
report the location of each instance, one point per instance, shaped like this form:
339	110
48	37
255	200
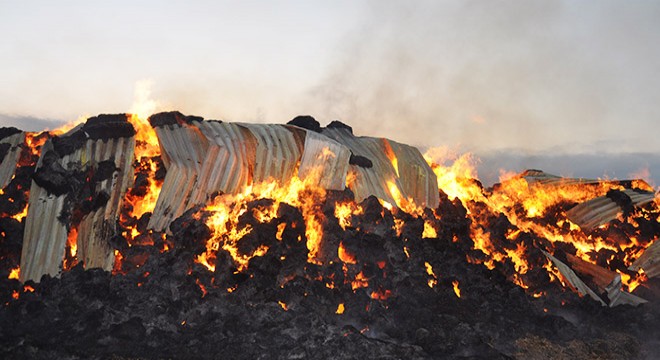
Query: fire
429	231
201	287
429	270
70	125
14	273
456	180
344	211
344	255
360	281
70	259
340	309
147	149
457	290
284	306
225	211
20	216
381	294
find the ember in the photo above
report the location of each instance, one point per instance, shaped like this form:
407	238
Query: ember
179	237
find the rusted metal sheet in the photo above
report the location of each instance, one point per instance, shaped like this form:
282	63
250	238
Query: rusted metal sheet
398	172
649	261
601	281
80	181
10	148
277	151
603	209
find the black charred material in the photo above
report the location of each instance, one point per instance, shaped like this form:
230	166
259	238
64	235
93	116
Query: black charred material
306	122
8	131
163	304
106	126
360	161
172	118
336	124
102	127
621	199
54	178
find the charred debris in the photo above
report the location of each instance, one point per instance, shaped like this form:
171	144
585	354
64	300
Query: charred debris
154	240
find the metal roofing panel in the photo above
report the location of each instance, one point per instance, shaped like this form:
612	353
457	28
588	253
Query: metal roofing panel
8	164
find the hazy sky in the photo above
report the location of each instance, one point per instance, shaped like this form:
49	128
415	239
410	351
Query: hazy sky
534	76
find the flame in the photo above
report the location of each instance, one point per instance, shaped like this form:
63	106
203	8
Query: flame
456	180
15	273
283	305
68	126
340	309
429	270
15	295
344	211
225	211
360	281
201	287
392	157
381	294
457	290
429	231
344	255
70	259
20	216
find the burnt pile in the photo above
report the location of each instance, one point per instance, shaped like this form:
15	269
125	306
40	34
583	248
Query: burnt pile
292	270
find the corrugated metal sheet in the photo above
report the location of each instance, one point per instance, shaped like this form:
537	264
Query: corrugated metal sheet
417	179
601	210
277	152
649	261
184	151
45	236
603	281
8	164
325	161
542	178
206	157
411	177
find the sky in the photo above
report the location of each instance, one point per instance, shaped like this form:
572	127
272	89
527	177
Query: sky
520	81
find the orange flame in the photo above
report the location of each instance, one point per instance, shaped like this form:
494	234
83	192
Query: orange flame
457	290
15	273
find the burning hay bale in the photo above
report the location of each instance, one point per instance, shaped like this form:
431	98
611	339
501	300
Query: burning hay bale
76	196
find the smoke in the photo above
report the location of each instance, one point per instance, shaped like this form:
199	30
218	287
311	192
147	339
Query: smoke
498	75
29	123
